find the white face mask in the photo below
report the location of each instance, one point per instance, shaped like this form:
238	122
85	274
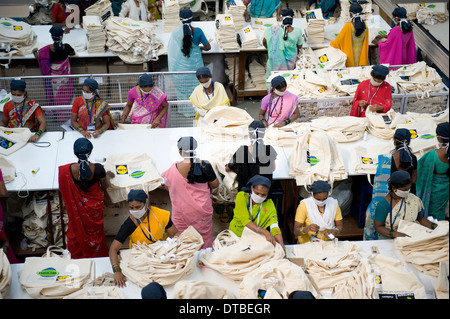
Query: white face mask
402	194
18	99
143	92
88	96
375	83
138	213
257	199
207	84
279	93
318	202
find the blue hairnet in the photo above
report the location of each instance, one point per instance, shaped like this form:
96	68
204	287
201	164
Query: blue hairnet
145	80
18	85
137	194
82	149
91	83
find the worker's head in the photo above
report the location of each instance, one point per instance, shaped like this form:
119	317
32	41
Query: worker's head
146	83
399	16
279	85
89	88
400	183
204	76
357	21
379	73
259	187
320	191
18	90
137	203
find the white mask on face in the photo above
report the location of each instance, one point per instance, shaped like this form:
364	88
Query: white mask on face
138	213
375	83
257	199
143	92
402	194
88	96
207	84
17	99
279	93
318	202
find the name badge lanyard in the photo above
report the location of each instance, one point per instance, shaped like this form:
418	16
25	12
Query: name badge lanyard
151	238
206	92
270	112
368	94
90	109
317	232
398	213
251	213
20	115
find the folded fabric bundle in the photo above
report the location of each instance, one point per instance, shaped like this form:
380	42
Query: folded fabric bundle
308	84
133	41
226	32
343	129
248	38
16	37
192	289
101	9
262	23
366	13
314	31
165	262
227	190
383	125
277	279
5	272
284	136
438	118
95	33
234	257
236	9
424	248
225	123
364	160
170	13
101	292
346	81
257	72
132	171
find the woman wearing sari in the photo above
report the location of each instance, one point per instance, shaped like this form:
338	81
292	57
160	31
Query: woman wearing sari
146	224
148	102
262	9
207	94
279	107
82	187
282	43
253	209
90	114
433	176
400	47
397	205
53	59
353	39
189	183
23	112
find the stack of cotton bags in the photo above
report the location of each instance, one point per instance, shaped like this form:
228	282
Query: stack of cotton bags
226	32
236	9
170	12
95	33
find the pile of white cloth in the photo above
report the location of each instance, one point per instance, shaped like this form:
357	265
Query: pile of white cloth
170	13
314	31
257	73
342	129
326	58
424	248
283	136
101	9
165	262
237	9
234	257
5	273
383	125
16	38
95	33
248	38
97	292
226	32
364	160
309	84
192	289
366	14
133	41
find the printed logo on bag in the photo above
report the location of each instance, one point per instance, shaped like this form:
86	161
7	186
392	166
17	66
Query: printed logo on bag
7	24
413	134
137	174
122	169
408	295
405	78
378	280
246	30
8	132
366	160
382	32
427	136
321	90
48	272
61	278
311	159
5	143
323	58
17	28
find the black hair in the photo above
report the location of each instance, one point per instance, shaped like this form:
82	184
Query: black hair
187	44
406	26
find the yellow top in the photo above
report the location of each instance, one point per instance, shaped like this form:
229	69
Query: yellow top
159	218
344	43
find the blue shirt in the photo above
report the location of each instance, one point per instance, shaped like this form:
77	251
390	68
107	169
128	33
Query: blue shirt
199	36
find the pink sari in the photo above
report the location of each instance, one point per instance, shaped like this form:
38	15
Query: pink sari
58	91
398	49
191	204
148	106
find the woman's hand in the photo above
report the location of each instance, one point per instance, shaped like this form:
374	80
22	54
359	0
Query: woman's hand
86	134
362	103
96	133
313	227
268	236
279	124
119	279
399	234
33	139
155	123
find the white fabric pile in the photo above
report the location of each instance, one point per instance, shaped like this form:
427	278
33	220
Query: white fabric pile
5	273
95	33
133	41
236	9
283	136
234	257
343	129
366	14
165	262
226	32
226	123
192	289
101	9
16	38
170	14
257	73
248	38
383	125
327	58
424	248
427	13
314	31
309	84
101	292
364	160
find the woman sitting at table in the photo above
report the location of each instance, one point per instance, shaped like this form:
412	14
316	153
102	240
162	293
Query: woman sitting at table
402	157
400	46
433	176
207	95
146	224
330	8
53	59
90	114
23	112
135	9
254	159
262	9
374	94
279	107
353	39
184	52
148	102
189	183
318	217
282	44
399	204
82	187
253	209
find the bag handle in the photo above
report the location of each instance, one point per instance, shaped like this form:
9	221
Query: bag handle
52	249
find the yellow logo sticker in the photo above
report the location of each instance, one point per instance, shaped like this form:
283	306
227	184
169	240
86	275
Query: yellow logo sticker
121	169
413	134
323	58
366	160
